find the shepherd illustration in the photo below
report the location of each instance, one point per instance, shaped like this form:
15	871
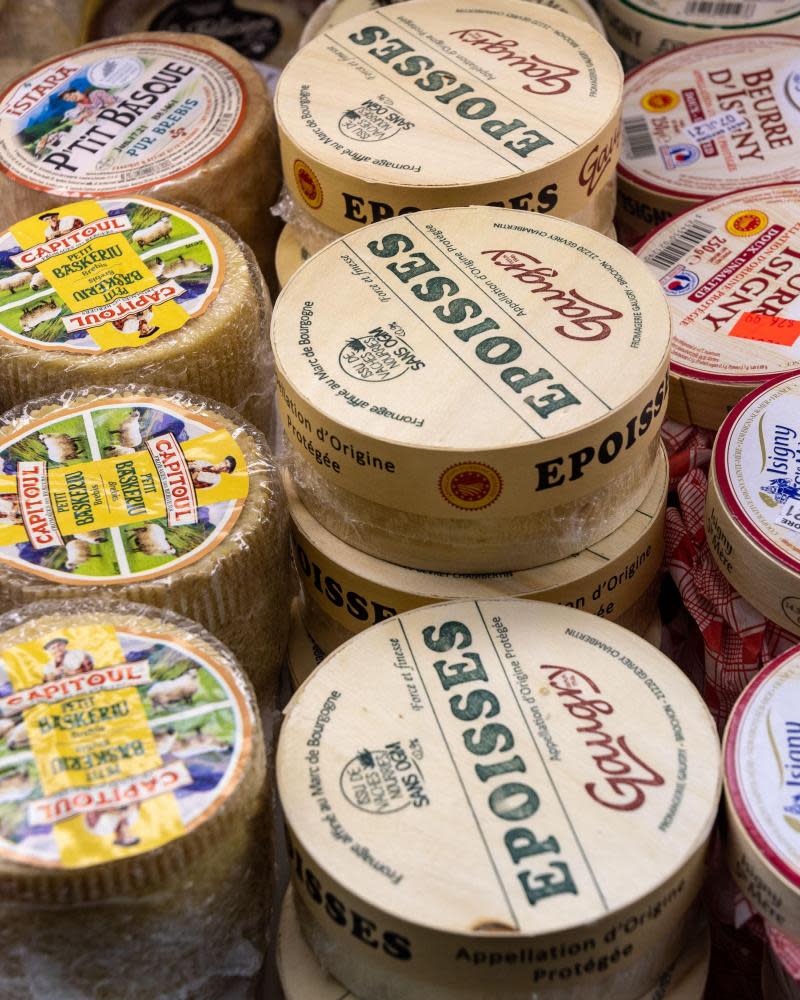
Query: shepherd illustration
205	474
65	662
56	226
116	822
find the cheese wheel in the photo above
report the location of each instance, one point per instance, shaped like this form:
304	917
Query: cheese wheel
752	511
729	268
132	783
33	31
761	754
705	121
298	238
150	495
506	858
645	29
381	414
187	305
333	12
265	31
418	108
303	978
345	591
171	115
303	655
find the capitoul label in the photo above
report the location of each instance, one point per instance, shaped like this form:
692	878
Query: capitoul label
399	109
460	311
113	743
105	492
102	118
734	124
762	792
576	766
753	505
357	590
731	272
94	276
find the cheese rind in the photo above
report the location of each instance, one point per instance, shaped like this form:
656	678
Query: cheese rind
303	655
160	497
752	513
760	775
192	304
376	118
704	121
169	863
543	862
346	591
220	123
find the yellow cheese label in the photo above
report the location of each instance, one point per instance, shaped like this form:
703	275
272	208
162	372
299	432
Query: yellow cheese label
111	744
93	276
101	492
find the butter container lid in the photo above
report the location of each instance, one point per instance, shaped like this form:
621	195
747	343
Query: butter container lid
712	118
729	267
568	768
444	104
455	312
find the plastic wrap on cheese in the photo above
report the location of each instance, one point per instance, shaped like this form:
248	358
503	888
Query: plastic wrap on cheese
33	31
179	117
151	495
135	853
102	292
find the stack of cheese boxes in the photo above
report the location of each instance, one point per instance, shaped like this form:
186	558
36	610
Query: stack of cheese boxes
142	526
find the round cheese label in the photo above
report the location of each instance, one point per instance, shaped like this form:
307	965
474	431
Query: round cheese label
527	321
704	121
509	780
762	768
105	492
357	590
93	276
113	743
118	115
402	108
757	471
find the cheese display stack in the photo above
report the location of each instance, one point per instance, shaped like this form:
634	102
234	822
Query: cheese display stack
752	514
705	121
173	116
455	829
731	271
100	292
470	416
760	772
134	850
644	29
150	495
303	978
345	591
437	104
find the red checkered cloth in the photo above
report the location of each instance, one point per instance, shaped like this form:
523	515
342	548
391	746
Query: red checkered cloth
786	950
738	640
688	448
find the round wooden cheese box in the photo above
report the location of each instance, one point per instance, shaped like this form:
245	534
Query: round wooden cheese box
705	121
450	386
497	798
753	504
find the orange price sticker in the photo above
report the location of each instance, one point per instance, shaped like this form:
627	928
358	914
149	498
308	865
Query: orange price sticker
767	329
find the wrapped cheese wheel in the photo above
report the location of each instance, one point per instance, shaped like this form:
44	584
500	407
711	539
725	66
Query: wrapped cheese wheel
731	271
132	790
151	495
507	857
752	512
303	978
31	32
761	754
333	12
169	115
99	292
442	105
644	29
345	591
265	31
705	121
446	428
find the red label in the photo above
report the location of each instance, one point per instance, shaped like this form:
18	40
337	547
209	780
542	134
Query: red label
767	329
